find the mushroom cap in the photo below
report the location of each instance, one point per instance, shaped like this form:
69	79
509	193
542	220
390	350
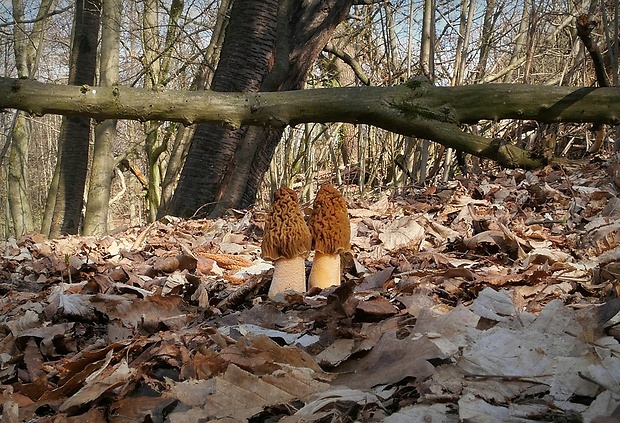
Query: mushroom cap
329	222
286	234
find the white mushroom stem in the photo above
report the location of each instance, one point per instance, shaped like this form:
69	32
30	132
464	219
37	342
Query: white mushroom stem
325	270
288	274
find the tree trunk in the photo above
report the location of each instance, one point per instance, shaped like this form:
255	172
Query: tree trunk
19	205
269	46
157	62
97	206
487	31
462	46
427	62
246	54
519	44
202	81
427	50
27	51
65	210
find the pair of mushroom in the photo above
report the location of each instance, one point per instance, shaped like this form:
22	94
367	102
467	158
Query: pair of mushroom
287	240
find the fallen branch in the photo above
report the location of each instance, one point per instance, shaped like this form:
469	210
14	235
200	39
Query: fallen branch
416	108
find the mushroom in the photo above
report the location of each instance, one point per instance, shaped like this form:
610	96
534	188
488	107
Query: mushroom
286	241
331	233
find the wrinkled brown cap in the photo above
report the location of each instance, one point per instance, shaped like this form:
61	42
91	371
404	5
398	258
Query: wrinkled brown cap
286	234
329	222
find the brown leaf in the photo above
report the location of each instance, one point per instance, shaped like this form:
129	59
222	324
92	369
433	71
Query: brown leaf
167	264
118	274
33	360
94	415
228	261
63	304
237	395
139	409
378	308
99	383
390	361
375	280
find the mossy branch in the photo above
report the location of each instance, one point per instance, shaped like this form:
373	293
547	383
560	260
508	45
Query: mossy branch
416	108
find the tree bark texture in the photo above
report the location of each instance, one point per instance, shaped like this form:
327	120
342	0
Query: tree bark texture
202	80
245	57
416	108
269	46
372	105
19	205
487	31
75	130
27	48
103	164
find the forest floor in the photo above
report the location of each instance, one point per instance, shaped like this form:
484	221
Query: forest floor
494	298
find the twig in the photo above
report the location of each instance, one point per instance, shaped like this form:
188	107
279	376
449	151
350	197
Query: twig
585	25
530	379
141	237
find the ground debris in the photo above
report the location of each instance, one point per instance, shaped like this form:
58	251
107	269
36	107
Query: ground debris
490	299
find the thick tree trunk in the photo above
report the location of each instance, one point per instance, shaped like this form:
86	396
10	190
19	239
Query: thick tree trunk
269	46
97	206
202	81
246	57
65	210
312	32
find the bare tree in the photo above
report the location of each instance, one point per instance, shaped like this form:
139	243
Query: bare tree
427	64
202	80
27	48
539	48
487	36
269	46
103	163
65	199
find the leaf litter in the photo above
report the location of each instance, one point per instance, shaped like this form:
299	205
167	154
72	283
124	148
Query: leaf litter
492	298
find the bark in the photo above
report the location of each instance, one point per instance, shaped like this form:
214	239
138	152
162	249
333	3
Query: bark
269	46
202	81
27	49
585	25
352	63
519	44
427	62
153	145
394	61
19	205
97	206
157	64
247	55
65	209
462	46
416	108
297	48
403	104
487	32
346	71
427	59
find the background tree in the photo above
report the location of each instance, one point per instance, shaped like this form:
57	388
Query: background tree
27	50
269	46
97	206
63	213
